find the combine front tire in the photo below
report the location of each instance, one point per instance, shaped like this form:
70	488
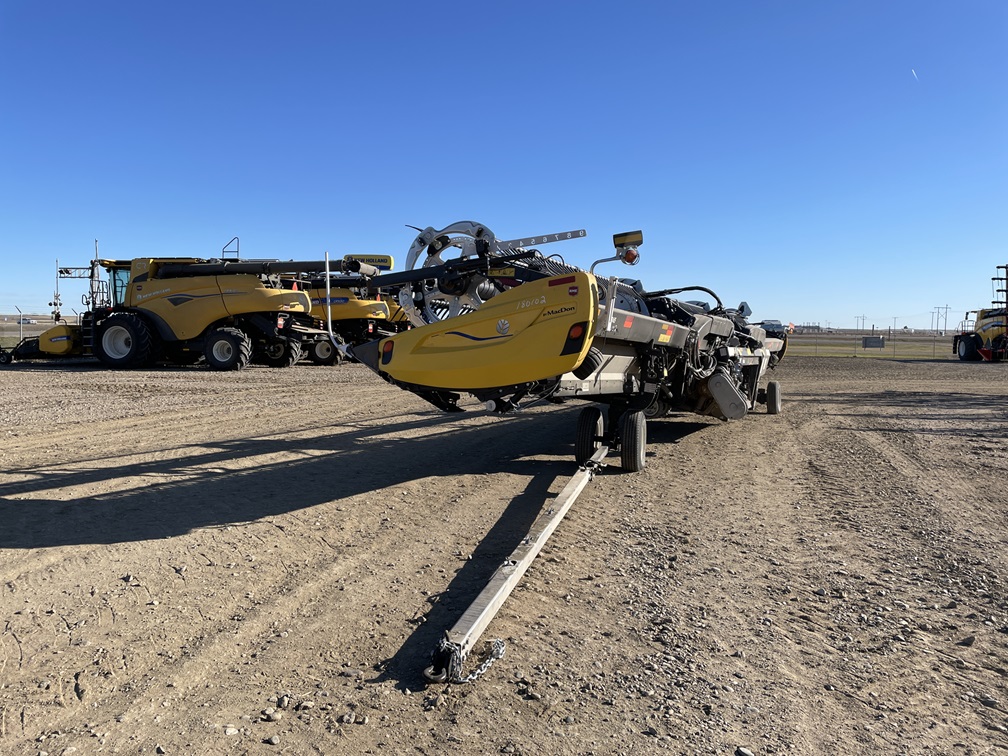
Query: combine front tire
124	341
773	398
228	349
590	432
633	440
968	348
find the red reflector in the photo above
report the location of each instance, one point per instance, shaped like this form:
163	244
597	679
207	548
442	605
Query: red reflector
387	347
575	332
370	327
562	281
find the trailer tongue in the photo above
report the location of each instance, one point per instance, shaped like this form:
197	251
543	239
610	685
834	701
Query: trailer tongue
457	643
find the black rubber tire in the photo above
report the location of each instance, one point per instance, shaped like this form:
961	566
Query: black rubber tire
6	358
124	341
593	361
282	354
228	348
633	440
590	432
324	353
773	398
968	348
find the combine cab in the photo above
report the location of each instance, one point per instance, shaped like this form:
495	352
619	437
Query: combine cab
506	324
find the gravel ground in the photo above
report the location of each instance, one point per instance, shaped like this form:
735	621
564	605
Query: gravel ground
262	562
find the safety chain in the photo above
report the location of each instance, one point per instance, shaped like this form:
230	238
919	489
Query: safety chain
448	663
496	652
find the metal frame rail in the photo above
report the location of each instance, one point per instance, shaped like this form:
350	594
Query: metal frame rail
456	644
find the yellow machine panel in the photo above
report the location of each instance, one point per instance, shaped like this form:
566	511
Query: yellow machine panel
497	344
187	305
344	304
245	294
60	340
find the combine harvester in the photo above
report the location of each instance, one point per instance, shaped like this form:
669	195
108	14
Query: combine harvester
355	312
181	310
508	325
983	334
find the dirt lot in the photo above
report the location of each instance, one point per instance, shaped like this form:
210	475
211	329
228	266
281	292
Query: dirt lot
262	562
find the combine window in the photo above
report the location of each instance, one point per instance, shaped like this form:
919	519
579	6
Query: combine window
119	277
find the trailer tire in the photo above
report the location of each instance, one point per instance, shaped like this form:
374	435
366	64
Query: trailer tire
6	358
633	440
228	348
590	432
773	398
967	348
124	341
281	354
325	353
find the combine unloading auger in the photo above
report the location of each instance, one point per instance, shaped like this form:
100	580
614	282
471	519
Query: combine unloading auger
508	325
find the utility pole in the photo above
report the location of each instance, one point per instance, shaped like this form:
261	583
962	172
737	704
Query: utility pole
20	324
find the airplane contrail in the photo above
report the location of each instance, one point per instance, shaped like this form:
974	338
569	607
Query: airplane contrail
914	73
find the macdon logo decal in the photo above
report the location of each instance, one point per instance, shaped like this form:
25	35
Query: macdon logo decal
558	311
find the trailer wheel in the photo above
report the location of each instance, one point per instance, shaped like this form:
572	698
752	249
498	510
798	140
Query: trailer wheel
281	354
124	340
6	358
968	348
228	349
773	398
633	440
590	432
324	353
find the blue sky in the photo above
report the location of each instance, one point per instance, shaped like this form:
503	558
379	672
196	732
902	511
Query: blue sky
822	161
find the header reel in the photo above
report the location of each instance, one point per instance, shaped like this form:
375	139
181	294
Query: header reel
469	266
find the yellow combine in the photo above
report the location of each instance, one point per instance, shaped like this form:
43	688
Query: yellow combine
183	310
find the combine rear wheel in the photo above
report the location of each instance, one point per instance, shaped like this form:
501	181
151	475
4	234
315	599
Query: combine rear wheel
6	358
773	398
282	354
633	440
590	433
124	341
228	349
324	353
